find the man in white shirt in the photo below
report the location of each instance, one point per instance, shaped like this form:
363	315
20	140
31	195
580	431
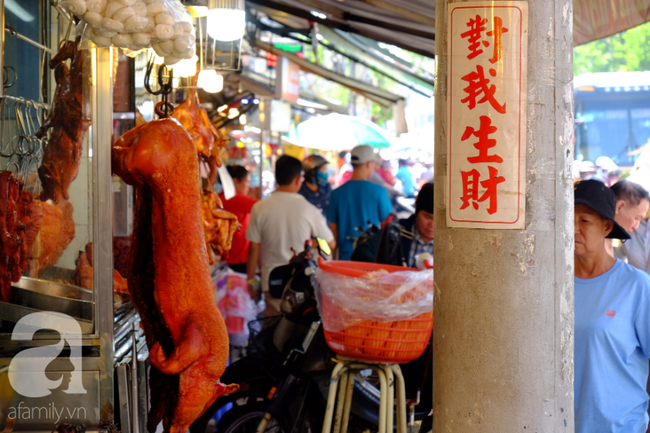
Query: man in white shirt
283	221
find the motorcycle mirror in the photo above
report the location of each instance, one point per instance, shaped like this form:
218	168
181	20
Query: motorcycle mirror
324	246
278	280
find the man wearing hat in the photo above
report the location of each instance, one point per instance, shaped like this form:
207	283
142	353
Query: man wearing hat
316	188
417	238
612	321
357	202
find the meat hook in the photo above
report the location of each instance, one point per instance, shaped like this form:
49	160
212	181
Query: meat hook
163	108
5	83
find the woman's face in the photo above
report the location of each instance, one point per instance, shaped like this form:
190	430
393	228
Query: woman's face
590	231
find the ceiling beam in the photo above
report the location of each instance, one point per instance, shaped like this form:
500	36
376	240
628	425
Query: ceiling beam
350	16
403	12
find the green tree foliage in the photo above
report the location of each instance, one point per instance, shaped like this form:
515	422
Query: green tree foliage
626	51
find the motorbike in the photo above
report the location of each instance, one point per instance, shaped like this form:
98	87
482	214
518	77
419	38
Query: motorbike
285	376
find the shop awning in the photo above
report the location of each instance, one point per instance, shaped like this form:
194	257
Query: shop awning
410	24
369	91
596	19
252	83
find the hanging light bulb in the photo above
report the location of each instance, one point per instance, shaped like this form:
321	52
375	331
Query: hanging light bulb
226	19
210	81
186	67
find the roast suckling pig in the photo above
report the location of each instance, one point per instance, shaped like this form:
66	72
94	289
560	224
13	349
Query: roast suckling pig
20	220
219	225
61	157
169	275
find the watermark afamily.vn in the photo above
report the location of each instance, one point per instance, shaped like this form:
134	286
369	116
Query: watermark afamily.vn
46	413
27	369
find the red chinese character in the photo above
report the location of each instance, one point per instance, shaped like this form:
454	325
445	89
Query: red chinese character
497	32
470	189
484	143
476	28
490	185
479	85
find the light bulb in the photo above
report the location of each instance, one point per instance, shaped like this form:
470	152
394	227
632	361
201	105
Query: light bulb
232	113
242	119
210	81
226	24
186	67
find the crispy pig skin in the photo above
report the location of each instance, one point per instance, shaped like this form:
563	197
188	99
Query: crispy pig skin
169	264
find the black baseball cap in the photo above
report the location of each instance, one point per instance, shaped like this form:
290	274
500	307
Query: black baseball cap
601	199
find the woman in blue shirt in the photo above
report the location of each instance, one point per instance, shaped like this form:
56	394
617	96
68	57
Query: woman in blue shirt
612	322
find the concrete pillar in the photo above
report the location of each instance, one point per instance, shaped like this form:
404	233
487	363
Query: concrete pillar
503	333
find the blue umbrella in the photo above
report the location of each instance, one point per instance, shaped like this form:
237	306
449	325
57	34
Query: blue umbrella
341	132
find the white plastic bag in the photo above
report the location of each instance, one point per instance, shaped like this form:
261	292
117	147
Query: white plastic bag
345	301
137	24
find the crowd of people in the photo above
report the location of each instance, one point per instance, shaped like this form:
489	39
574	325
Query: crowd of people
305	205
612	306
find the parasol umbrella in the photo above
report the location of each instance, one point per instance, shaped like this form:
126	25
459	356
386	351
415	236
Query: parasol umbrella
340	132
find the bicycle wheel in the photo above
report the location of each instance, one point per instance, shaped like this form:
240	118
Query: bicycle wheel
246	419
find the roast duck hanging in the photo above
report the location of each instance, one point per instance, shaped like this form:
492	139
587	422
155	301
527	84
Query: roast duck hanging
219	225
169	275
43	226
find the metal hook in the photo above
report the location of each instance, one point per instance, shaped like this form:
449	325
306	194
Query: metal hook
29	105
6	76
13	164
19	118
165	87
67	32
168	107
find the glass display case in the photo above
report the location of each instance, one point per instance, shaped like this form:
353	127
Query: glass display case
56	309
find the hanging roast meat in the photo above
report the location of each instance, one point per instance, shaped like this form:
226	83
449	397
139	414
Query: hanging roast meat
204	134
20	220
219	225
169	275
83	276
61	157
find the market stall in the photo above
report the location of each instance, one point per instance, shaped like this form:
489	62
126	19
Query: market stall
53	332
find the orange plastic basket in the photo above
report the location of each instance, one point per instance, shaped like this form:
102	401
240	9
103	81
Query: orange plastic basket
395	342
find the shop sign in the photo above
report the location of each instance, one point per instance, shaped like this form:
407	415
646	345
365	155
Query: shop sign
287	85
486	163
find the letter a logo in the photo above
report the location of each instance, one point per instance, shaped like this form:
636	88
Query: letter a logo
27	369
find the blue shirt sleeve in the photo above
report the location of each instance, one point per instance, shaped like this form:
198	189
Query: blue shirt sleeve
385	205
